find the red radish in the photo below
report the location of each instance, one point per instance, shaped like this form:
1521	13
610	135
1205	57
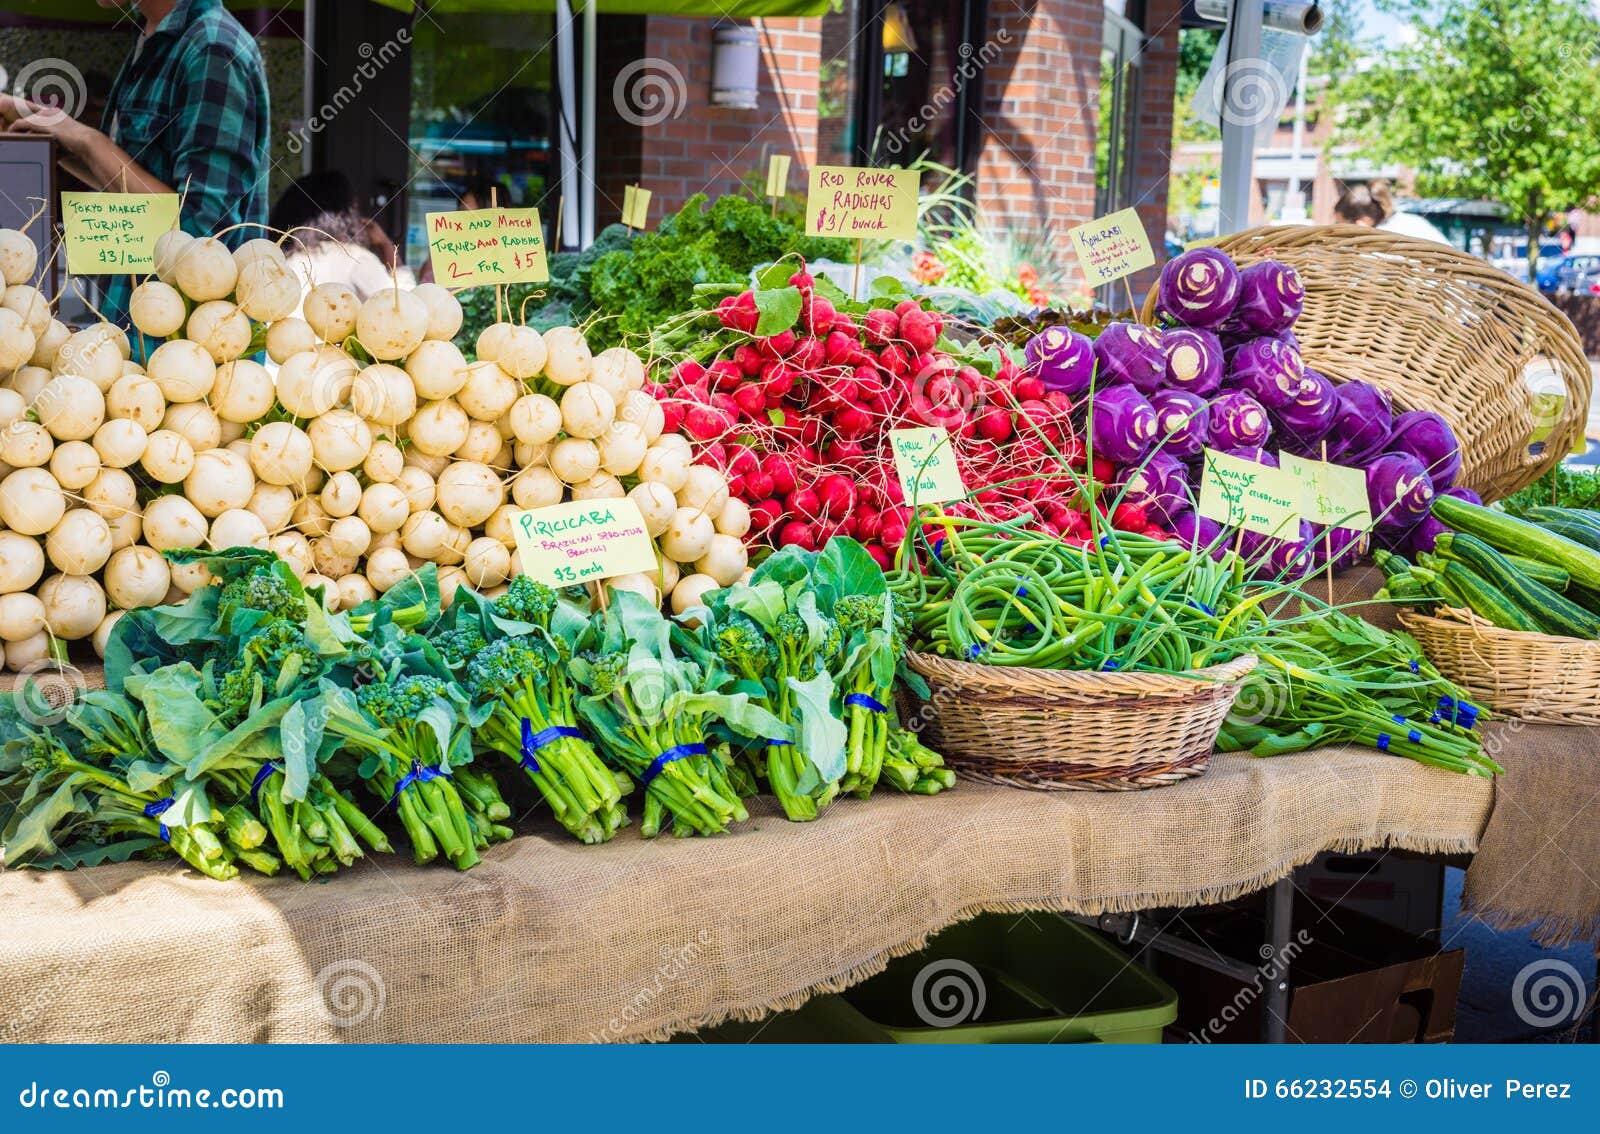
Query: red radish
1129	518
764	514
1029	387
894	359
881	325
671	417
905	306
714	455
751	400
803	502
1102	470
804	281
777	381
853	423
808	354
843	322
799	535
919	331
811	429
837	495
741	460
704	423
841	349
868	526
881	557
757	485
781	469
726	374
819	316
777	345
748	359
688	373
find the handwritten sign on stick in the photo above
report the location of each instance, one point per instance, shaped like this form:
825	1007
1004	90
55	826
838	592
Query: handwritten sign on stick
1257	498
870	204
1330	494
926	465
1112	247
114	234
778	175
471	248
583	541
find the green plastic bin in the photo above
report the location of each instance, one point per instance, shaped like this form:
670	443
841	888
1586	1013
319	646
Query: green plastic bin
1005	979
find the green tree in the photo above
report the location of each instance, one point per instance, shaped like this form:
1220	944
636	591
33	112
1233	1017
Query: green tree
1493	98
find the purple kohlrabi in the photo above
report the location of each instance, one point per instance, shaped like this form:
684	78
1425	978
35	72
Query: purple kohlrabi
1194	360
1062	358
1270	299
1198	288
1131	353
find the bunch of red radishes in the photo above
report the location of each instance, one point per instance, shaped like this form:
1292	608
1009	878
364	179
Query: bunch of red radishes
798	417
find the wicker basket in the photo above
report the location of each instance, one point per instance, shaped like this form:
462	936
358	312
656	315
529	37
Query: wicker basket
1537	677
1440	330
1059	729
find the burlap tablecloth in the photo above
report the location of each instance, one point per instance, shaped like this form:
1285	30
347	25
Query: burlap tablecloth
550	940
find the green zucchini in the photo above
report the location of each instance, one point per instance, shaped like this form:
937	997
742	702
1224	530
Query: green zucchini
1506	533
1543	512
1485	599
1577	532
1547	573
1553	613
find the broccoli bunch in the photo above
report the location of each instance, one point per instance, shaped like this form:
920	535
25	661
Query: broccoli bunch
533	720
798	655
527	601
264	591
460	644
397	705
745	648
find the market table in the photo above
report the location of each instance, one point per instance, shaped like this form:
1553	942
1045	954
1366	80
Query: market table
551	940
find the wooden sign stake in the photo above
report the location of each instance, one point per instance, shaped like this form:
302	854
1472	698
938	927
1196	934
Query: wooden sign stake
494	203
1327	537
855	287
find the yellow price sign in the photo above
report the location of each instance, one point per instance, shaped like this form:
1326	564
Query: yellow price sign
778	175
1113	246
870	204
1240	493
926	464
1332	495
114	234
583	541
472	248
635	206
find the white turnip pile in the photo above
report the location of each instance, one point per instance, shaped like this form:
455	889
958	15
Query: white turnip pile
372	446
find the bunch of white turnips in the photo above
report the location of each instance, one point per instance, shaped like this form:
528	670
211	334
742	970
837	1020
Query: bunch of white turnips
355	472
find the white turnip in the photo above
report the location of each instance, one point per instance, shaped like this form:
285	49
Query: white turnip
281	453
243	392
331	309
168	456
183	370
391	324
75	463
21	616
438	428
80	543
437	369
288	337
74	606
21	562
31	501
221	480
569	358
172	522
156	309
444	311
136	397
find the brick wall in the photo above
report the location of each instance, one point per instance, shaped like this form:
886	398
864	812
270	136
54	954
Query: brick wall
1152	141
1041	108
710	149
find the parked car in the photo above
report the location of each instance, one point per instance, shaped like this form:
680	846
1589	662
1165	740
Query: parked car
1512	258
1570	271
1589	283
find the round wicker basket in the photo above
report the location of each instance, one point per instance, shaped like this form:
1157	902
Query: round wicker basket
1441	330
1061	729
1535	677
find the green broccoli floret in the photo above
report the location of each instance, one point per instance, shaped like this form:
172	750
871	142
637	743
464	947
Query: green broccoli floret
237	693
398	705
797	657
526	601
505	665
263	591
605	670
745	649
283	648
460	645
865	612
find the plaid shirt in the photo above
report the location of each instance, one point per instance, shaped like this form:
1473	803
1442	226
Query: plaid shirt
191	106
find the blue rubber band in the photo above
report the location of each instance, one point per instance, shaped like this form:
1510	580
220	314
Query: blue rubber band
261	777
1414	736
418	775
1383	741
678	752
1022	592
779	743
1398	719
974	650
159	807
533	741
938	548
872	704
1416	667
1108	664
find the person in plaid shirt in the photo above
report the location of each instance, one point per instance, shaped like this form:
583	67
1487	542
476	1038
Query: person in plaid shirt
188	113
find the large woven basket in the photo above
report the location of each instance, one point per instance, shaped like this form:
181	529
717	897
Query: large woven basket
1441	330
1536	677
1059	729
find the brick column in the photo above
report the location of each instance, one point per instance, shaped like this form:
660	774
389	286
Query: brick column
1152	141
1041	109
710	149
